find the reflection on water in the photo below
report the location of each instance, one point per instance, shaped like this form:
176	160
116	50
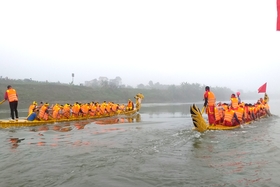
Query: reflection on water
171	108
86	125
118	120
154	148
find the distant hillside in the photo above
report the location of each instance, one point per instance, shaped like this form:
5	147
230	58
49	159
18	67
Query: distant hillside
63	93
29	91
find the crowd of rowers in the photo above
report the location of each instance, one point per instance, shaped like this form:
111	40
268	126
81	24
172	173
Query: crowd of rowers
67	111
237	112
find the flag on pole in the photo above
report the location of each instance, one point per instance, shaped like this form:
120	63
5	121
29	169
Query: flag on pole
278	16
262	89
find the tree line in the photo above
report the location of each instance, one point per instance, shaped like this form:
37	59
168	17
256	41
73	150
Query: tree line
29	91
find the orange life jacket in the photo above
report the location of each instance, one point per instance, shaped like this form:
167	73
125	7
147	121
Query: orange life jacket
234	103
229	115
108	108
42	113
31	108
66	111
217	114
55	113
240	113
97	109
102	109
85	109
211	99
114	107
75	110
129	104
12	95
246	114
92	111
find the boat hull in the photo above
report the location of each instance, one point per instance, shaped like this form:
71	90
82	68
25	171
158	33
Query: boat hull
25	123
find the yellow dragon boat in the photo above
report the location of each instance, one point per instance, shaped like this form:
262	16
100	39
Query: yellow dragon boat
25	123
201	125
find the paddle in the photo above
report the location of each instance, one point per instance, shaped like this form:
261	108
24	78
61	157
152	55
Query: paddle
2	101
202	110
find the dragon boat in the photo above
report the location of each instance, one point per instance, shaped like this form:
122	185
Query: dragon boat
201	125
25	123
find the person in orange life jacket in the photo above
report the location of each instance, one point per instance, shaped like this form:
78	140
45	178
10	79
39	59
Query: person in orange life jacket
248	117
251	111
240	113
219	114
234	102
12	97
130	105
209	104
257	110
32	107
44	112
230	118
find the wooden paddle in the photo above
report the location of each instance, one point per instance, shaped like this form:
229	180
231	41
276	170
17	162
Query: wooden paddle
2	101
202	110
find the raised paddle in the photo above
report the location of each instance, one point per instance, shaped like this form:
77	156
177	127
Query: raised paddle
2	101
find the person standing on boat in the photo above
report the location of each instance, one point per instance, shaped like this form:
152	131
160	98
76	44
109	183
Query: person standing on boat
209	104
234	102
12	97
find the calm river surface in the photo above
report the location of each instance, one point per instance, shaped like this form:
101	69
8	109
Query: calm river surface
155	148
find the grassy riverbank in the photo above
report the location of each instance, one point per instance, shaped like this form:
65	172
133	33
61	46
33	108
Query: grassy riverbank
63	93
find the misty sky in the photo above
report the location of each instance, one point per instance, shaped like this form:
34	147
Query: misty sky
227	43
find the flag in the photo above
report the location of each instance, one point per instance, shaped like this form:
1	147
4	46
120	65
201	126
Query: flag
262	89
278	15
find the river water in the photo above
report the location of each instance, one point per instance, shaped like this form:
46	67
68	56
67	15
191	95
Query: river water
157	147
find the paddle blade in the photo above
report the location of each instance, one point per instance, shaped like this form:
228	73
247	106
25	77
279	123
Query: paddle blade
202	110
2	101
